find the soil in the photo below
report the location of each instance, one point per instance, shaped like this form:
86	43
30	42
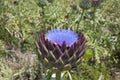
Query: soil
115	73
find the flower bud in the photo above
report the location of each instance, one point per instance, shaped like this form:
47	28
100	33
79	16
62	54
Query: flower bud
95	3
73	6
50	1
85	4
41	3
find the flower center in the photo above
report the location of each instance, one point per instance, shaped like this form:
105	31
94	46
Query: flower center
60	35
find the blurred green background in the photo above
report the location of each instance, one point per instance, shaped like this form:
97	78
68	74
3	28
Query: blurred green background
21	19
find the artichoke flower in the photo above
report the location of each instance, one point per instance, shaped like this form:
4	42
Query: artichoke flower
60	48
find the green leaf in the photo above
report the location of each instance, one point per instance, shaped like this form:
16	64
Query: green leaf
88	54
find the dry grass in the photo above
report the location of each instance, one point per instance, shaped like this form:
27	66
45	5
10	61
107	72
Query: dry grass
18	66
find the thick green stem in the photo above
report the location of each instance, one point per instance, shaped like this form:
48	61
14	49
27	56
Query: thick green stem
93	18
49	76
42	15
58	75
80	20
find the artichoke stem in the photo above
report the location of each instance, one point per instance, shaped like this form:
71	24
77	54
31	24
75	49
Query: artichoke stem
58	75
80	19
93	18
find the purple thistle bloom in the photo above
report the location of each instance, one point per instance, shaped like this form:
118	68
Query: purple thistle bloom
59	36
60	47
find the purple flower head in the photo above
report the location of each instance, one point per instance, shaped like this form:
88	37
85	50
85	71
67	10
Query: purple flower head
60	48
59	36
